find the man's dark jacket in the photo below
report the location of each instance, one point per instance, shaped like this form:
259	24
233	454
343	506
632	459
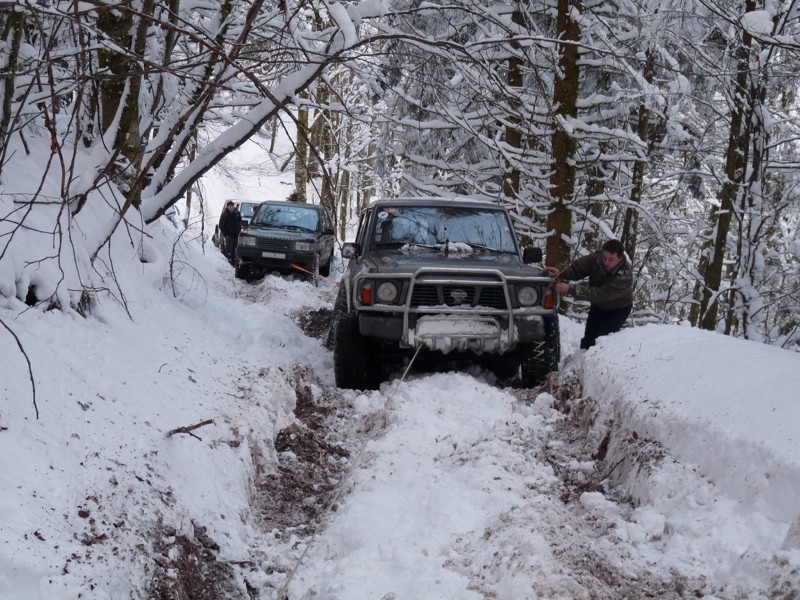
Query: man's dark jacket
230	223
606	289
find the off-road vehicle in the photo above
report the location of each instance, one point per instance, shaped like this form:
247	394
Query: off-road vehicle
442	279
287	237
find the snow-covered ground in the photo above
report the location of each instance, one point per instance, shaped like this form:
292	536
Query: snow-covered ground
185	439
458	497
667	460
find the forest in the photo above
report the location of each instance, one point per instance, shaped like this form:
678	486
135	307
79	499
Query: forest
670	125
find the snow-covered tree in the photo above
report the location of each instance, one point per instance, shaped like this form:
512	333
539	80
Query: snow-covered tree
134	102
670	125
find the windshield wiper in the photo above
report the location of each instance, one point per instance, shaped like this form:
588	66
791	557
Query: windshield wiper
487	248
287	226
399	244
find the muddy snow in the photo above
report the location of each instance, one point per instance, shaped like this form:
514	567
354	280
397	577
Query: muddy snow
202	451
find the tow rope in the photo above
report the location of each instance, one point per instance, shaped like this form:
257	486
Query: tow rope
283	594
299	268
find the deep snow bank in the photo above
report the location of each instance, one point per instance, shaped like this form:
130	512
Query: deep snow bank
92	482
728	406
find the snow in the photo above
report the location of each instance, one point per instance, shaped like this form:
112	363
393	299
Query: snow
446	333
758	22
456	489
452	248
422	495
455	464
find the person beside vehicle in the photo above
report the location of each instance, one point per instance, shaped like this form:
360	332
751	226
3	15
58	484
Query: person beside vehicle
609	289
230	224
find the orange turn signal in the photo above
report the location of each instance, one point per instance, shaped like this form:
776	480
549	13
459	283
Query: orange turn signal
549	300
366	294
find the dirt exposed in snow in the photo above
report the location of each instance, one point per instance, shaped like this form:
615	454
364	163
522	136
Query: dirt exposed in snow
315	455
312	456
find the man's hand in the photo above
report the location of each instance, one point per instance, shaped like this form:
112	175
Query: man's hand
562	288
552	271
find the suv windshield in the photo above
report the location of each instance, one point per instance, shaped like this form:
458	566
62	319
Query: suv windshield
289	217
246	209
481	228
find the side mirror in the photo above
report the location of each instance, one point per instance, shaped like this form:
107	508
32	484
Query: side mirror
532	255
350	250
327	231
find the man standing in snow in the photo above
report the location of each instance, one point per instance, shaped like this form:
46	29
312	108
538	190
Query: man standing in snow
609	289
230	224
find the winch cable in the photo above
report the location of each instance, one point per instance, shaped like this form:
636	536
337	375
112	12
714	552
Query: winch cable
283	594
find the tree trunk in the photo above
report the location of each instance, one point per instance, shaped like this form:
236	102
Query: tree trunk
115	67
565	98
188	210
169	47
595	188
735	167
12	30
513	137
301	152
631	222
328	151
751	208
273	135
120	90
345	188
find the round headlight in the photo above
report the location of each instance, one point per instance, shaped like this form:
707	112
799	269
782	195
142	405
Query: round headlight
387	292
527	295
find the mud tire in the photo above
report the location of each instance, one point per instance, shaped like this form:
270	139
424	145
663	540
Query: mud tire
314	274
325	270
540	358
354	364
339	309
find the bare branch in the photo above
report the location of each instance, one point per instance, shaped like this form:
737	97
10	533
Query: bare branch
188	430
30	368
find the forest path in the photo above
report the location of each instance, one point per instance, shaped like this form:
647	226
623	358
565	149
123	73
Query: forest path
447	486
333	451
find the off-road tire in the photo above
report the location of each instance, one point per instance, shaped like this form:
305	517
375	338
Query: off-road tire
241	271
339	308
314	272
540	358
354	366
325	269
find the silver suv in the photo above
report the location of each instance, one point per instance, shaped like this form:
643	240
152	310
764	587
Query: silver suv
442	279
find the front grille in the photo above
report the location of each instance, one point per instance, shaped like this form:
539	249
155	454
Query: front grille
426	295
491	296
455	295
273	245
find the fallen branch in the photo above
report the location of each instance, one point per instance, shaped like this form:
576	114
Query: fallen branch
30	368
188	430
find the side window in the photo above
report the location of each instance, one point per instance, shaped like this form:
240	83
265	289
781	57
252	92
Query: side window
362	228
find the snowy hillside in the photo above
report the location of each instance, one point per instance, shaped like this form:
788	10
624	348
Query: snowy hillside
665	460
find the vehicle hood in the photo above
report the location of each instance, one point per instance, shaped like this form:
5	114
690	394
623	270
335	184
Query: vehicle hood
408	262
280	233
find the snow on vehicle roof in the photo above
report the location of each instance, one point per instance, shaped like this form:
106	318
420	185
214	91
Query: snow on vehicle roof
435	201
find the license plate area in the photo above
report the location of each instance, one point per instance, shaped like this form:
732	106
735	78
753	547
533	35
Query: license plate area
273	255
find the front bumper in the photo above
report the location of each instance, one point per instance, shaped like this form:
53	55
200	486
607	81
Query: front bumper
277	260
477	333
480	329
